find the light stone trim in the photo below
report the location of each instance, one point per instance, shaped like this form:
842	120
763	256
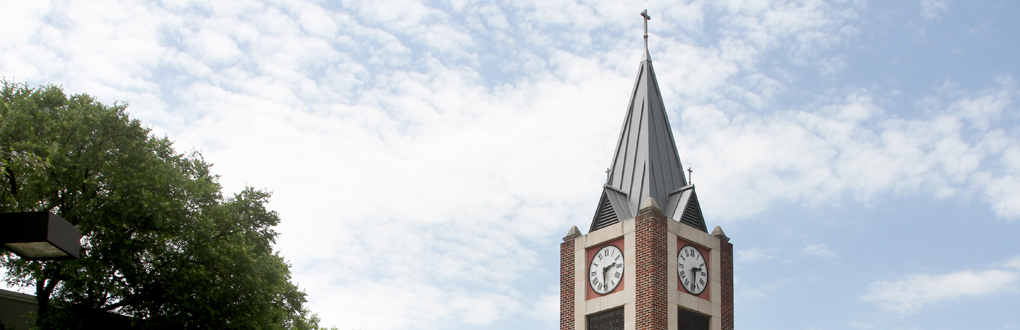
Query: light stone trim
672	299
627	297
629	307
680	298
716	320
693	235
715	275
605	234
580	259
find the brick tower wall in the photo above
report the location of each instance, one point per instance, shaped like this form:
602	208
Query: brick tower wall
726	272
567	285
652	273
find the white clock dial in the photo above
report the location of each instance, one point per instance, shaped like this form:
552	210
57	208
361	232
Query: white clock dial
606	269
692	269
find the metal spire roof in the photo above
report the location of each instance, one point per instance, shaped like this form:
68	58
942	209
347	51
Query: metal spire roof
646	163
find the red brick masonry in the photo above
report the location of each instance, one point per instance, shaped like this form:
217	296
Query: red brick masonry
726	272
567	285
652	273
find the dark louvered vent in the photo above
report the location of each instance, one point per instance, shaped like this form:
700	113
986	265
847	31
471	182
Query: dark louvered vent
605	215
692	214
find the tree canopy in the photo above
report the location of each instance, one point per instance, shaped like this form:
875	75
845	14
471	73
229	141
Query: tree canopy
161	246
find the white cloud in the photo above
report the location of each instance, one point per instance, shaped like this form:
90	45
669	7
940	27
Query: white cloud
436	165
930	9
410	150
820	250
316	20
913	293
757	26
753	254
1004	195
855	148
766	289
1013	263
756	254
784	281
547	307
981	110
395	304
217	48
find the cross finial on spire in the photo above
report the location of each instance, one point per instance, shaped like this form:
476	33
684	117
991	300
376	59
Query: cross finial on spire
647	18
690	175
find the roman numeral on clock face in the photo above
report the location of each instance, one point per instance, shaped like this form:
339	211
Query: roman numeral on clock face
691	269
605	271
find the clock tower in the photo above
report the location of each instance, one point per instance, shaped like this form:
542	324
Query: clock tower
648	260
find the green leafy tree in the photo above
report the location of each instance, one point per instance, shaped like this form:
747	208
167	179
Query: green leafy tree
161	247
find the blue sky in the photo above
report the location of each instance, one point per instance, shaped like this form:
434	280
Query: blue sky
427	157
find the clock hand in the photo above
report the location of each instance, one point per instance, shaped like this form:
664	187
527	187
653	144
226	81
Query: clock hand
607	267
605	270
604	280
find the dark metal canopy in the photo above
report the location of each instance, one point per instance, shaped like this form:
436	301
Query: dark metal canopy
39	235
646	163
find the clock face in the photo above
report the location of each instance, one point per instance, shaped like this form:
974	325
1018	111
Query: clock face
692	269
606	269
